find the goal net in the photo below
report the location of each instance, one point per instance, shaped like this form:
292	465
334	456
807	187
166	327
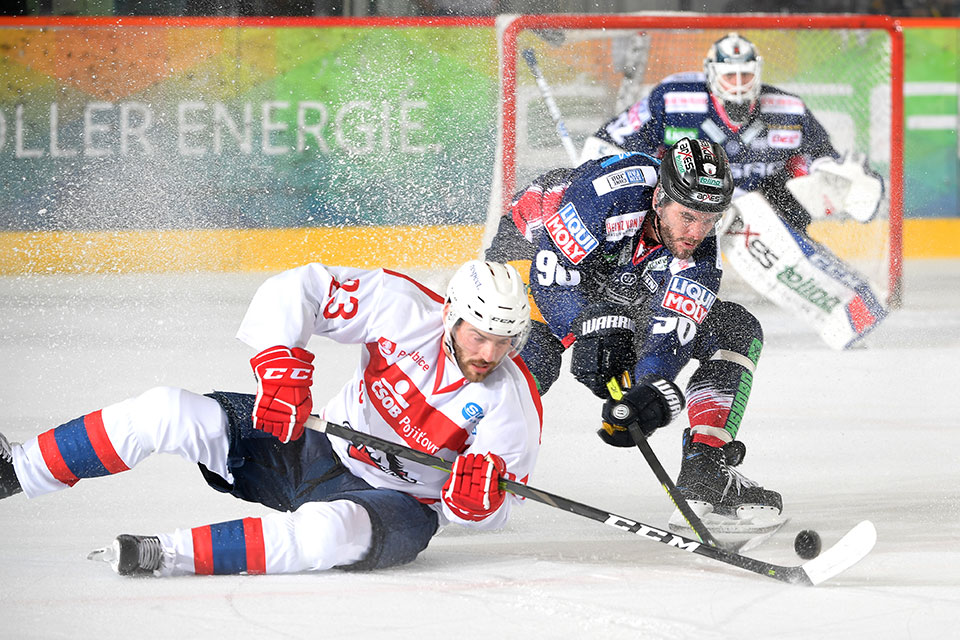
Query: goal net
847	69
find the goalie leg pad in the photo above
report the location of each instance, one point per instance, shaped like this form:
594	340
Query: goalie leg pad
799	274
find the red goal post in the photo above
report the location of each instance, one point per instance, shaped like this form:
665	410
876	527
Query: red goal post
847	68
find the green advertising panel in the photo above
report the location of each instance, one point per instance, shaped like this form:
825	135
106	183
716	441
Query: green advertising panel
173	127
931	169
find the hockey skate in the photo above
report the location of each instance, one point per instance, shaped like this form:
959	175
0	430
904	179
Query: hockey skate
131	555
734	508
9	485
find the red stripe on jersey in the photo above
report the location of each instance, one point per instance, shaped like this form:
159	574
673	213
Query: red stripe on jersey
532	386
402	406
436	297
202	551
256	554
97	433
54	461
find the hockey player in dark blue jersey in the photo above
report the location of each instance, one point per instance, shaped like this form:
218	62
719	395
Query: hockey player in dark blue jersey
783	165
623	268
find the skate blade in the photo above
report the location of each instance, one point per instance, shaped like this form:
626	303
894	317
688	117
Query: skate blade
752	527
110	555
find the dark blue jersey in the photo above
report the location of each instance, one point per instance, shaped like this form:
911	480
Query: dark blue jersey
586	225
780	135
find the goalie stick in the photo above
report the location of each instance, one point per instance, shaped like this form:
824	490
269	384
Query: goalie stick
531	59
856	544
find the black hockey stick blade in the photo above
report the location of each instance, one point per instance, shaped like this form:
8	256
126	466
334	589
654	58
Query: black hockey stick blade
856	544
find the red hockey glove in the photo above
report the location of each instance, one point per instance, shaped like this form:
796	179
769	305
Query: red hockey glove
473	489
283	404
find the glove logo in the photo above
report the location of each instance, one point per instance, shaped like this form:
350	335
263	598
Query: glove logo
620	411
674	402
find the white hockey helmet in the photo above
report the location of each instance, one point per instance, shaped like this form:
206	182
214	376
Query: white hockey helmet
492	297
733	69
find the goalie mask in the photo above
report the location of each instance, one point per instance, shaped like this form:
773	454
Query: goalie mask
696	174
493	298
733	70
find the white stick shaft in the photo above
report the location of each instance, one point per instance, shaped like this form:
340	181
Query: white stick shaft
552	107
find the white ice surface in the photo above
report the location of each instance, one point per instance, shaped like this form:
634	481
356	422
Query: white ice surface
865	434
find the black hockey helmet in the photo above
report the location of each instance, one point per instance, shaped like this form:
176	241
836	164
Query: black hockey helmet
696	173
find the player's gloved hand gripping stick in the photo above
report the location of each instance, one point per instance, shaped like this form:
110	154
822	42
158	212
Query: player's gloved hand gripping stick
640	412
856	544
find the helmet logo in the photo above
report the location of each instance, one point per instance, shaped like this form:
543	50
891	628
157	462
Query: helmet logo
710	169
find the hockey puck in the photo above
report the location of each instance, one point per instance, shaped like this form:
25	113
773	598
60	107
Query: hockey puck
807	544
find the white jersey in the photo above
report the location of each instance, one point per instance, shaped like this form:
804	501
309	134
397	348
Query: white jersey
406	389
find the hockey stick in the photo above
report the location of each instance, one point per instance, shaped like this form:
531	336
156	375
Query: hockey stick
699	529
531	59
856	544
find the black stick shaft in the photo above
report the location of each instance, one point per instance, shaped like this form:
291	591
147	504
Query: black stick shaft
666	482
795	575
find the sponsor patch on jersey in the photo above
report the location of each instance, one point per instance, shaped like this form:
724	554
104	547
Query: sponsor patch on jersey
387	347
673	135
659	264
685	101
784	139
472	413
570	234
624	225
622	178
688	298
779	103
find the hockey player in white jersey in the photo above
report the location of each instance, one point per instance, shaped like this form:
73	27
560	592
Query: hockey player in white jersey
438	375
786	171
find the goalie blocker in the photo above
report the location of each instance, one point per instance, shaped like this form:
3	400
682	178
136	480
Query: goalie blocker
798	273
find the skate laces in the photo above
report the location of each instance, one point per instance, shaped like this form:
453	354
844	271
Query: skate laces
737	479
149	553
5	451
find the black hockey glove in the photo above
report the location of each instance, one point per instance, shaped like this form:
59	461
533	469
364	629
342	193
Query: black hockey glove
652	405
604	347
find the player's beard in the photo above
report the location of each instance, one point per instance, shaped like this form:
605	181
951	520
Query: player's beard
466	365
674	243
